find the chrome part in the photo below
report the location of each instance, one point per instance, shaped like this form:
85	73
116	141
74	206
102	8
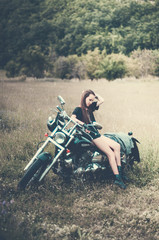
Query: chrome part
97	125
123	158
68	162
79	170
51	118
53	162
97	157
49	139
93	167
51	123
60	138
61	100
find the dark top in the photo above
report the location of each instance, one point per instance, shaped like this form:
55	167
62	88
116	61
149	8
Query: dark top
78	112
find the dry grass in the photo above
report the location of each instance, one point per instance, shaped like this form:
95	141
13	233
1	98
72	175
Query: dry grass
95	210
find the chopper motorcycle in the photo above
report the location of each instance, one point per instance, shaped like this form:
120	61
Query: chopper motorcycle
74	154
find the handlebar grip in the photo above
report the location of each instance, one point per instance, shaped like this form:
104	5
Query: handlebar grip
59	108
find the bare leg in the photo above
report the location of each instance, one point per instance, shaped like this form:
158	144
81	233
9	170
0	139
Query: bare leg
112	150
116	148
103	145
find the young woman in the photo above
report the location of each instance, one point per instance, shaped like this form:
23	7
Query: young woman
84	115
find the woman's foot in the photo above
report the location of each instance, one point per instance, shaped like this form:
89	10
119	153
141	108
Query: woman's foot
118	181
122	174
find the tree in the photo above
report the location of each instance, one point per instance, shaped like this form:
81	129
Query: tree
32	62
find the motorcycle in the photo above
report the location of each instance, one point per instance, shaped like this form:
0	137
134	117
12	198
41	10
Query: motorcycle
73	153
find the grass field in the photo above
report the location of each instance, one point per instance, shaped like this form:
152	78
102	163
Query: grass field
94	210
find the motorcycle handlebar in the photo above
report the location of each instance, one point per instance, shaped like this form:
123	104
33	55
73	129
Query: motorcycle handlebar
61	100
66	117
94	124
59	108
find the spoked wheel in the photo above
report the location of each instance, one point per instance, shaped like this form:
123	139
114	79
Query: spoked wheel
35	171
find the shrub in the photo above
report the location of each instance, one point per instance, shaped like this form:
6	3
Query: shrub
79	70
69	67
92	60
113	66
143	62
12	69
156	67
61	67
73	63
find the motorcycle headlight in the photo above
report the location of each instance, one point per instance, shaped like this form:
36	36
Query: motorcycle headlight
60	138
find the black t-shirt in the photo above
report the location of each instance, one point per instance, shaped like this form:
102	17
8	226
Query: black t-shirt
78	112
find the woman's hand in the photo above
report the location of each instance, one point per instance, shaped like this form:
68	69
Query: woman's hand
85	126
99	99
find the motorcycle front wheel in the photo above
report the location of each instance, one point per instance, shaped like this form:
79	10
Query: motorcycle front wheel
35	171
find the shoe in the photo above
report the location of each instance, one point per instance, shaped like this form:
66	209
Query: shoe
118	181
120	184
122	175
125	178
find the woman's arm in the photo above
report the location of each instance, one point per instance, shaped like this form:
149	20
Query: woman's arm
100	100
74	118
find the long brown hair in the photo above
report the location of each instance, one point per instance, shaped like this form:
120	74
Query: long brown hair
85	110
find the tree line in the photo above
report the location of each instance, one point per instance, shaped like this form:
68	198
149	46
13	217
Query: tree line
65	38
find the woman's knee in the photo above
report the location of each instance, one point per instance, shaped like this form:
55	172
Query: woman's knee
110	154
112	144
104	147
118	146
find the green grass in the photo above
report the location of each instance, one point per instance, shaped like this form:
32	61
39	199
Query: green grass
93	209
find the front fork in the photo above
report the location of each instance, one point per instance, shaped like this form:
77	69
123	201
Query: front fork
53	162
40	150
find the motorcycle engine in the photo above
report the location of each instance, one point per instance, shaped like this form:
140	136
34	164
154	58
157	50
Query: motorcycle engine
85	159
97	157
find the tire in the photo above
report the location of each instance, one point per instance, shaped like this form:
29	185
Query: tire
135	151
35	170
134	156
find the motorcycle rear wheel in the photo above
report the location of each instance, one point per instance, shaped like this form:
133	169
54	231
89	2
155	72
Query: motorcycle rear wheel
33	173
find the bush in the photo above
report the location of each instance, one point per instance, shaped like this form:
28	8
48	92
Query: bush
92	60
93	65
73	67
156	68
113	66
61	67
12	69
143	63
69	67
79	70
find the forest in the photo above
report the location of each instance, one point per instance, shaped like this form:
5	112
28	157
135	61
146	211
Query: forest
79	39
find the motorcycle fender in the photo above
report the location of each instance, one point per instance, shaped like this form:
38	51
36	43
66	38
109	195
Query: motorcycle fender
45	156
135	150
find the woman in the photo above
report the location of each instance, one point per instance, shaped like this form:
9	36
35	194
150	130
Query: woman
84	115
